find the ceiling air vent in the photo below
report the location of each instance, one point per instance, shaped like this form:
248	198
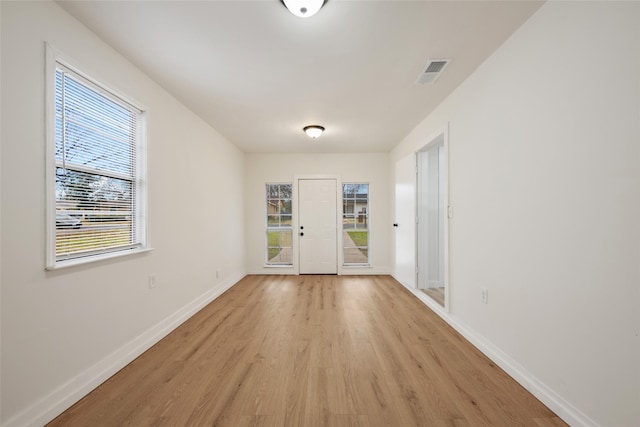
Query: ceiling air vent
432	70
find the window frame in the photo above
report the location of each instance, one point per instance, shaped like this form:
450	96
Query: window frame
53	60
354	215
268	228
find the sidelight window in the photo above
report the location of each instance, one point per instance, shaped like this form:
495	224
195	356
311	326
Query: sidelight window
355	224
279	230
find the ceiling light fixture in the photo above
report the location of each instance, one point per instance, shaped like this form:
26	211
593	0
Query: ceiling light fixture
313	131
303	8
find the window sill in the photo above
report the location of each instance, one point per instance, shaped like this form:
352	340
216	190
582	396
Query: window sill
95	258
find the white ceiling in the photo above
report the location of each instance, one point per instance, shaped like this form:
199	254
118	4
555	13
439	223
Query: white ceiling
258	74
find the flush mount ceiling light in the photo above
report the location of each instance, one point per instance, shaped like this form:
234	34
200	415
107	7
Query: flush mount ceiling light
313	131
303	8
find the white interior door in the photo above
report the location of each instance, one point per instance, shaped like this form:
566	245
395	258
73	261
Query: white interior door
433	220
431	215
317	229
405	223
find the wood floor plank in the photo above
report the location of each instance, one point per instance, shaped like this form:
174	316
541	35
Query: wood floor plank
311	351
549	422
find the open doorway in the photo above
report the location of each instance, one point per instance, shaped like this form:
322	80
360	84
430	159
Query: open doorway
431	233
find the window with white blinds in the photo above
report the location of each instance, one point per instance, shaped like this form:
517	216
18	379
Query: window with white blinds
99	193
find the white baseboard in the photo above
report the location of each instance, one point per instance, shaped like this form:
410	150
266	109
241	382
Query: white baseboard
278	271
564	409
343	271
364	271
56	402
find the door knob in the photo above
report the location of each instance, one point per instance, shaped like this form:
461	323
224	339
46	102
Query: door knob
302	234
395	225
301	228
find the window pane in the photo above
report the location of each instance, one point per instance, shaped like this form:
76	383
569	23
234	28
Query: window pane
99	133
284	239
90	236
279	250
87	147
272	191
285	191
84	191
361	217
355	223
356	247
279	233
348	206
93	212
273	220
349	190
285	207
97	186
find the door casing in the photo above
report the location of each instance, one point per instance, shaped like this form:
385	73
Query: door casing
425	265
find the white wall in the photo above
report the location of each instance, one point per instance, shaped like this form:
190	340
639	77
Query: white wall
545	185
371	168
64	331
0	239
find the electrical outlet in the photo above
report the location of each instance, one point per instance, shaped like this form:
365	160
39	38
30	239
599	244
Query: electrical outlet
485	295
152	281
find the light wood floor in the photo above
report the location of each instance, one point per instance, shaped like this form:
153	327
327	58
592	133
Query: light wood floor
436	294
311	351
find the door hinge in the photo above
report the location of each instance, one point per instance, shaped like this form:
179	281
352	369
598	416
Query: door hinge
449	211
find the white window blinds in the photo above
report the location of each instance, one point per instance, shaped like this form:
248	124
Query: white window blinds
97	185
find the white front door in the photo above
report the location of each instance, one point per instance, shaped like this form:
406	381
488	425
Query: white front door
317	229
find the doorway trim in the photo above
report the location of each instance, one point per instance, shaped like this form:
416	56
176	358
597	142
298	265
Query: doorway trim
433	140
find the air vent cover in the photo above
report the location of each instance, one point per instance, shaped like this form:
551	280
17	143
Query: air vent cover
432	71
